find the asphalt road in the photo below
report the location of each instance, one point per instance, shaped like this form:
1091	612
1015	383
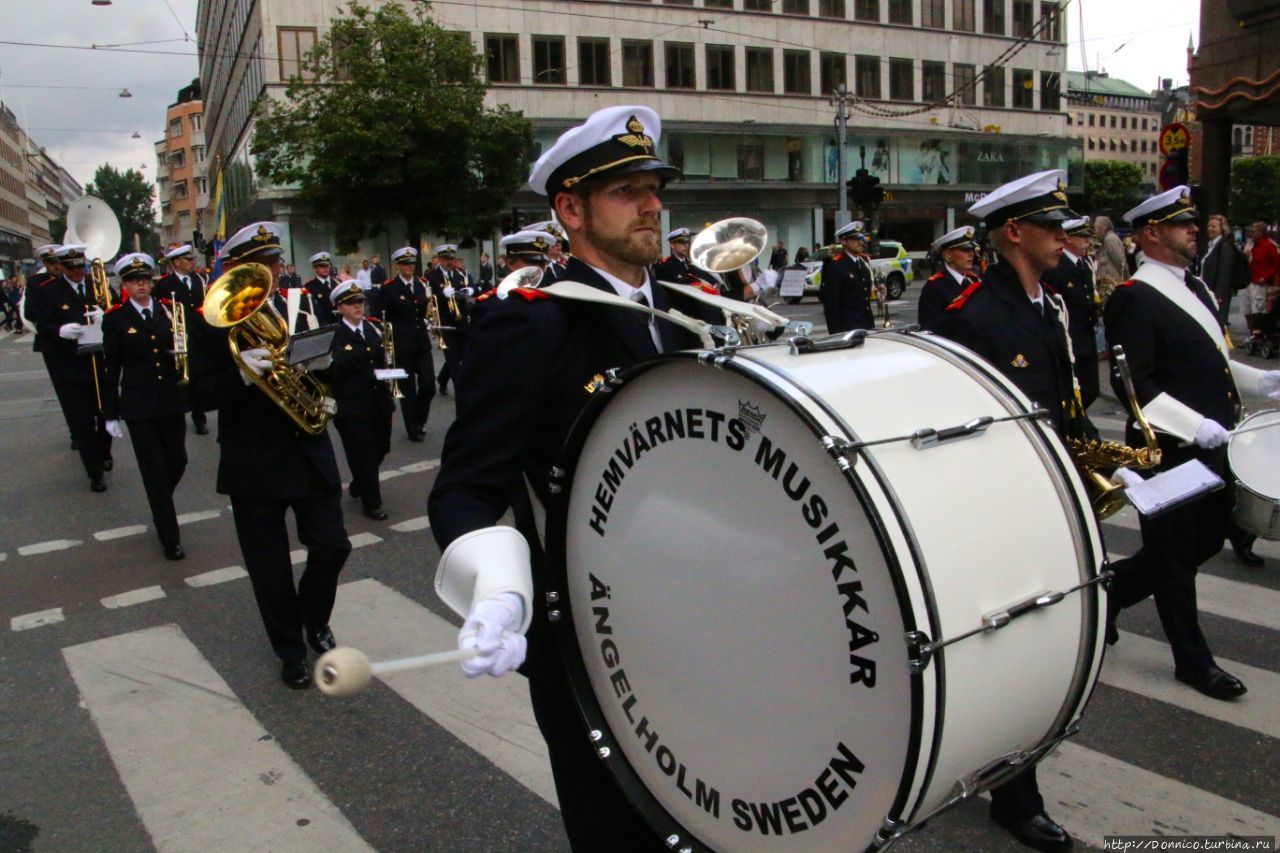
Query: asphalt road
141	705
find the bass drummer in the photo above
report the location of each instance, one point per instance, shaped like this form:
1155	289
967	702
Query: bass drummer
1019	325
530	369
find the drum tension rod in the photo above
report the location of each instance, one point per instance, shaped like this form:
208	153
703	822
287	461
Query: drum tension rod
924	437
920	648
803	343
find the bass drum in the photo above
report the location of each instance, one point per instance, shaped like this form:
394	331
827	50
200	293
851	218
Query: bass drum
1251	456
747	618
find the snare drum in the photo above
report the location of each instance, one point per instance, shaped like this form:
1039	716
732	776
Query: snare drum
1253	458
781	639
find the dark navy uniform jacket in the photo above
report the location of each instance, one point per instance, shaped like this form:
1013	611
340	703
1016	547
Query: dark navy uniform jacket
846	293
142	376
356	355
938	292
404	306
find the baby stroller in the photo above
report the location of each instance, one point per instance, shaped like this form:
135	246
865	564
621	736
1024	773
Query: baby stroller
1265	341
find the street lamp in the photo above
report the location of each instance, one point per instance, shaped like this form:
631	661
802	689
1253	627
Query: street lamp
136	135
102	2
124	93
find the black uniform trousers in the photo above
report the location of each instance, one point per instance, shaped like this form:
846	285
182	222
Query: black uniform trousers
264	542
419	388
366	441
159	444
1174	544
455	342
79	406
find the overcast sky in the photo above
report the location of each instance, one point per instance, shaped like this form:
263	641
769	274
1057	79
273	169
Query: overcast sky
85	123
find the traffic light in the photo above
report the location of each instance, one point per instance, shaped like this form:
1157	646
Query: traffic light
865	190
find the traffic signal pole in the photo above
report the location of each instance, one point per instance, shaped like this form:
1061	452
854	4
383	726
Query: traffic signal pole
840	100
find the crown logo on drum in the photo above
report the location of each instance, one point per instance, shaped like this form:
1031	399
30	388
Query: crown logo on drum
752	417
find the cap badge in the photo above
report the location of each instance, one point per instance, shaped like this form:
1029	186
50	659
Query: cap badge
635	137
968	233
540	244
263	234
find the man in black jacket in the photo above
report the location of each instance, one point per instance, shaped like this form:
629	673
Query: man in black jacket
29	308
529	370
142	390
447	284
677	267
186	285
269	466
364	401
1072	279
1189	389
404	301
955	249
847	288
1015	322
318	289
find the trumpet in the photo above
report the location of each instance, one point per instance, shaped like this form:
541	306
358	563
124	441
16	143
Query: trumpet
180	354
725	247
882	297
433	322
389	357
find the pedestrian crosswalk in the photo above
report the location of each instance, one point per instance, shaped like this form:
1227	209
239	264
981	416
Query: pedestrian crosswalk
203	773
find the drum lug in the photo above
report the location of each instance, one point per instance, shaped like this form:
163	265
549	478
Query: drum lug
919	651
890	831
673	843
553	615
554	485
553	597
840	450
613	378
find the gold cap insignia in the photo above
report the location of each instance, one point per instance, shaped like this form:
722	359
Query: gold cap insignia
635	137
263	234
968	233
1020	361
1185	198
540	244
132	331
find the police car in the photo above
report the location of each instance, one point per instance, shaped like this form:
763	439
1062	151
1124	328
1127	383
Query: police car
889	263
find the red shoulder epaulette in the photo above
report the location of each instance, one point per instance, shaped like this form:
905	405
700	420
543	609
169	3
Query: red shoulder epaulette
1047	288
664	260
529	294
1128	283
377	320
936	276
47	281
305	292
837	256
114	308
200	310
488	294
959	301
164	300
706	288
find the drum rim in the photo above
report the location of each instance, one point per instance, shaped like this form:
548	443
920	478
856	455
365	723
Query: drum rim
1240	481
566	641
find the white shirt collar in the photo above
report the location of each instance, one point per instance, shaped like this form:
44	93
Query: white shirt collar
1039	297
139	307
357	328
956	274
1180	272
1212	243
625	290
1070	256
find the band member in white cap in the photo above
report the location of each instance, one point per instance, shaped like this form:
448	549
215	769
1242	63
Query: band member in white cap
364	401
1072	279
187	285
677	267
60	316
405	299
28	309
1015	322
846	291
142	390
523	382
558	255
446	284
1189	389
268	466
955	249
318	288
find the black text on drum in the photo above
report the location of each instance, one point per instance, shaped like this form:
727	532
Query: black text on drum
774	461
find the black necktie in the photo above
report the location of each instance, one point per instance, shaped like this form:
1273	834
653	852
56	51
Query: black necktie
186	282
146	315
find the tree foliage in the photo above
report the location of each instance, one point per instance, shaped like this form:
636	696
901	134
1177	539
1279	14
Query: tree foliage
130	198
394	125
1111	186
1255	190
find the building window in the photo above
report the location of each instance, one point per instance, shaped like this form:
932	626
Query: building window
1050	91
1113	122
1091	143
751	161
866	10
197	121
180	189
1124	120
593	62
679	56
718	4
1122	146
902	80
178	159
796	78
197	153
202	185
795	7
993	86
637	63
867	76
1113	145
831	72
963	16
1144	124
759	69
932	14
831	8
966	84
993	17
175	128
548	60
933	80
678	2
1091	119
502	52
1069	122
294	44
1023	89
757	5
900	12
720	67
1051	22
1023	18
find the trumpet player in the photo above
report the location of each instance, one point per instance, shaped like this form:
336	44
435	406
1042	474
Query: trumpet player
447	285
847	287
60	315
405	303
677	267
317	290
185	284
364	401
142	390
1072	278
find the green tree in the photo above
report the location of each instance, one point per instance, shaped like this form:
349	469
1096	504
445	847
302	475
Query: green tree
393	125
1111	187
130	197
1255	190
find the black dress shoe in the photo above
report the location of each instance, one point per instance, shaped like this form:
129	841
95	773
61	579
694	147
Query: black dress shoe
444	390
377	513
352	490
97	484
1243	546
1039	832
321	639
174	552
74	446
202	429
108	464
417	436
1212	682
295	674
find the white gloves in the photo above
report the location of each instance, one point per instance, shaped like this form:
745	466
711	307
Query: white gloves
1126	478
448	292
71	331
255	360
467	291
491	629
1211	434
1269	384
114	429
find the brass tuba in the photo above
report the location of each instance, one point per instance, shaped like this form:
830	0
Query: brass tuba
728	246
91	222
240	300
